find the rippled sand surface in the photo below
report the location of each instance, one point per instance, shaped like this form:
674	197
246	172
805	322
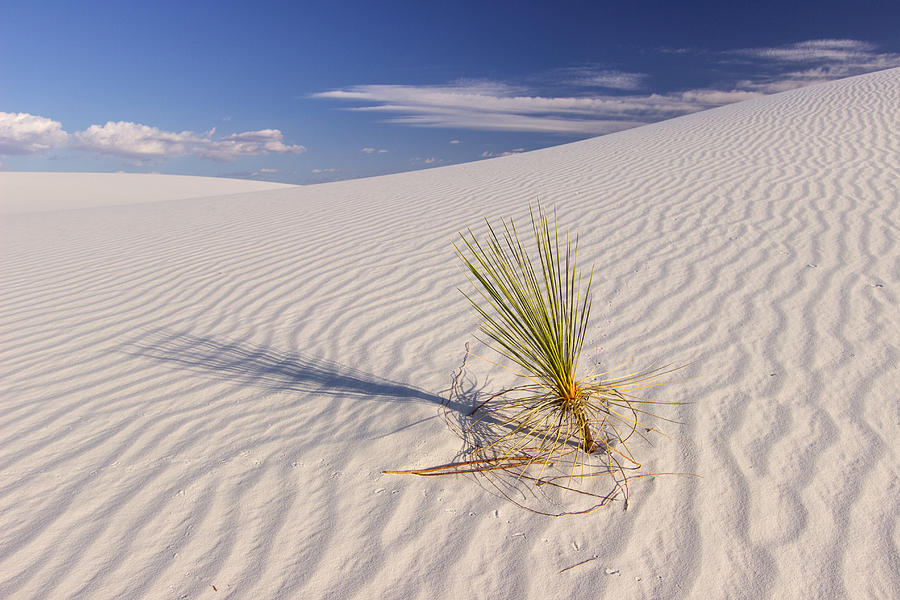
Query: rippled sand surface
198	396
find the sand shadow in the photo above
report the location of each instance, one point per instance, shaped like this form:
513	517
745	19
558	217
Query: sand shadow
273	369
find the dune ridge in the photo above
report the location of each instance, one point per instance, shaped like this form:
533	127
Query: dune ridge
202	393
25	192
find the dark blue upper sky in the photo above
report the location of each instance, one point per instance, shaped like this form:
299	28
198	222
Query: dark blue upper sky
312	91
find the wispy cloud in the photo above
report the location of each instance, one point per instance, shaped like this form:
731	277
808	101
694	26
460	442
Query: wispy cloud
589	77
374	150
262	173
811	62
833	51
500	106
489	154
22	133
141	142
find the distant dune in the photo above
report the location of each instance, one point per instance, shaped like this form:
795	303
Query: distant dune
37	192
199	396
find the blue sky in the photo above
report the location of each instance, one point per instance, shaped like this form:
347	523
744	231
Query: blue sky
305	92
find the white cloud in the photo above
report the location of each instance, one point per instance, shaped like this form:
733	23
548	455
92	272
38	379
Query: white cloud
489	154
135	141
819	61
455	142
497	106
324	170
22	133
813	50
262	172
710	97
249	143
614	80
374	150
142	142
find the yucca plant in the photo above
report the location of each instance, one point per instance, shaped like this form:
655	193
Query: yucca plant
535	313
536	316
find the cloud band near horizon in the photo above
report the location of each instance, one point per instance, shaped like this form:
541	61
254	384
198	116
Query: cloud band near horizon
23	134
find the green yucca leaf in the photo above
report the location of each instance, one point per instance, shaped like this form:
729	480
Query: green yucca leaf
536	312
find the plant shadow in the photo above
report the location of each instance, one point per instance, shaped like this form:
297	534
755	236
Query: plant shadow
273	369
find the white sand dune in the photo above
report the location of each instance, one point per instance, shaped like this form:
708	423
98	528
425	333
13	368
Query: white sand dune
22	192
199	396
